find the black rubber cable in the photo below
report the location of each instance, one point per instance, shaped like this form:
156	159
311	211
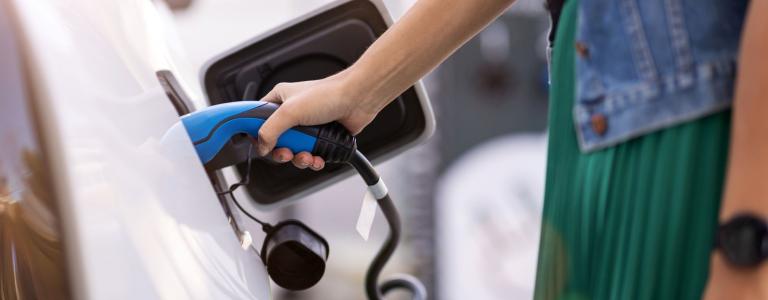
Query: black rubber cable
373	290
266	227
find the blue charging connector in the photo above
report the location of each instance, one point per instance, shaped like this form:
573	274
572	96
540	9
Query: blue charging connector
212	130
213	127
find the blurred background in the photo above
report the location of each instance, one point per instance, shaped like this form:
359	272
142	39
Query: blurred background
471	197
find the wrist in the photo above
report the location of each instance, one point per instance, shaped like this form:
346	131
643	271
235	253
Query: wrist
737	267
727	282
359	86
743	240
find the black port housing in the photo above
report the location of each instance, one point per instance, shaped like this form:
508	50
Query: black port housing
314	48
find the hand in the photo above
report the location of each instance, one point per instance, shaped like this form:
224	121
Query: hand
312	103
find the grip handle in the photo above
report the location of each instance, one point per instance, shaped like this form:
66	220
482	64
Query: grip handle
212	131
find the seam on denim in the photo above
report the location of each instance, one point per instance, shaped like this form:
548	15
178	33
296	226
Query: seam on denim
586	148
679	37
577	126
589	78
646	91
640	49
590	143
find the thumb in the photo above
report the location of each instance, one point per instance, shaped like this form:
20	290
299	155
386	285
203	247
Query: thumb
275	95
280	121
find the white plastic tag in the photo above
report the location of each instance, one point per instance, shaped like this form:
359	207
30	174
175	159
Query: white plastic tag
367	213
246	240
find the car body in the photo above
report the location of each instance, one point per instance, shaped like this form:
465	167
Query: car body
99	200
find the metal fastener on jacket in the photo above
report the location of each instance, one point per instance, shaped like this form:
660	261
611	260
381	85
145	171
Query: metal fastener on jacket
582	50
599	123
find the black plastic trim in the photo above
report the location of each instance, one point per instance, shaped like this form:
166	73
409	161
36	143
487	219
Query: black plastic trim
175	93
324	44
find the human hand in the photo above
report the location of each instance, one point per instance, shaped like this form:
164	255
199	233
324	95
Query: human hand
309	103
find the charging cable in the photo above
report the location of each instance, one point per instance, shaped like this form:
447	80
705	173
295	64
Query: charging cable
373	289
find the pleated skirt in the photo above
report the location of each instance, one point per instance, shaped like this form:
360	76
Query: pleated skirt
633	221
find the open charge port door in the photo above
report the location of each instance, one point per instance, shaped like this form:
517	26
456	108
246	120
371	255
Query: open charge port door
316	46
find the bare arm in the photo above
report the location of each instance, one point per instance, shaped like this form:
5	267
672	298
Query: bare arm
429	32
426	35
746	189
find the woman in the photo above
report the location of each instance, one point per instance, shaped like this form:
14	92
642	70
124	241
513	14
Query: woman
641	128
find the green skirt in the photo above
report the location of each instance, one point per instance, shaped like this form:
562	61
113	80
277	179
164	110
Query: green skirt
633	221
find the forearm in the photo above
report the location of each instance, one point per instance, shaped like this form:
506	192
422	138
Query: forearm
422	39
746	189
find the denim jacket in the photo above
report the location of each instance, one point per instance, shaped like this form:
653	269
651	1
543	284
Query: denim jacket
643	65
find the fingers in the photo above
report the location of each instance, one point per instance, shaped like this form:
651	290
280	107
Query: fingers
317	163
282	155
276	124
273	127
274	95
302	160
305	160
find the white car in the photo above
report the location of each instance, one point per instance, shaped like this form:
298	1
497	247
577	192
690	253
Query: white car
95	202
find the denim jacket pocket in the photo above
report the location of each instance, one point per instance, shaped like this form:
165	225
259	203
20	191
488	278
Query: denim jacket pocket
643	65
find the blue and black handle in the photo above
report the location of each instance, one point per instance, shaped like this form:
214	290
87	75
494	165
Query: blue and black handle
214	131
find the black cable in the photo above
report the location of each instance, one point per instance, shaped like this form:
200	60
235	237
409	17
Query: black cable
364	168
413	284
266	227
373	290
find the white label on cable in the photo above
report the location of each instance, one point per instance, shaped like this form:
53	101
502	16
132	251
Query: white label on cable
367	213
379	190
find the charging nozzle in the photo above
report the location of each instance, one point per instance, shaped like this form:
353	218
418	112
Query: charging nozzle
214	129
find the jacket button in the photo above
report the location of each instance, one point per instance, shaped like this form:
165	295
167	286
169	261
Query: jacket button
582	50
599	123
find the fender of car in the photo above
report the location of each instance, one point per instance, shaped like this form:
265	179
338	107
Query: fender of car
94	203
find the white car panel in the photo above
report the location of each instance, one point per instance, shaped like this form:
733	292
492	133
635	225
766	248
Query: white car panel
141	218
